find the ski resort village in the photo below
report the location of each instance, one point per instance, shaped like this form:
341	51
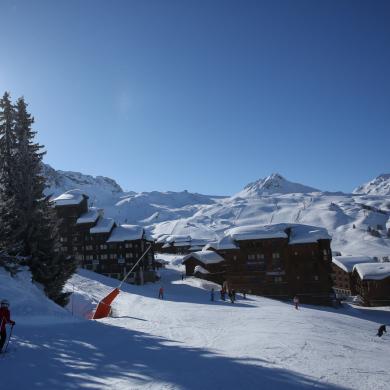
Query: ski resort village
195	195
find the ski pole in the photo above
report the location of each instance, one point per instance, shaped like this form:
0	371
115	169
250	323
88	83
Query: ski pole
9	338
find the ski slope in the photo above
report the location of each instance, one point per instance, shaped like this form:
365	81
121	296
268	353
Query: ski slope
186	341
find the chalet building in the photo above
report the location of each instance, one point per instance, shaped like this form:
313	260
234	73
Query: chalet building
278	261
207	265
98	243
372	283
342	267
178	244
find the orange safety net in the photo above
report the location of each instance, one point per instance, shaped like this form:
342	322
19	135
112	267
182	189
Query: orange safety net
104	307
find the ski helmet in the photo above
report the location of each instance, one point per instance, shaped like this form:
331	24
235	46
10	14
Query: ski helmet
4	302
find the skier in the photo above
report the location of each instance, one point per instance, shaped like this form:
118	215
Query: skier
161	293
244	293
234	294
296	301
212	295
230	293
381	329
5	318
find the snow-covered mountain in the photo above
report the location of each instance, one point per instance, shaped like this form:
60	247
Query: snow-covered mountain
274	184
378	186
274	199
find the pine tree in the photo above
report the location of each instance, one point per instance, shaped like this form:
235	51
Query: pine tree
30	182
9	216
39	233
48	265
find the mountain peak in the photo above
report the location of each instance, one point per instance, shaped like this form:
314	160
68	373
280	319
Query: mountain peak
378	186
274	184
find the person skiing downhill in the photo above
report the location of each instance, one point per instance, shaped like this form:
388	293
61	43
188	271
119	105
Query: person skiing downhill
161	293
5	318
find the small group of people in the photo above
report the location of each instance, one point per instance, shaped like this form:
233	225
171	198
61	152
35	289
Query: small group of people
231	294
5	318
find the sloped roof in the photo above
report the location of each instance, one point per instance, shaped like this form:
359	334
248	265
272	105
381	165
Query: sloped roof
347	263
373	271
104	225
90	216
126	233
70	198
205	257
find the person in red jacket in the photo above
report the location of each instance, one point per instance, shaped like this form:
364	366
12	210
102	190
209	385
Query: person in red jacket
5	318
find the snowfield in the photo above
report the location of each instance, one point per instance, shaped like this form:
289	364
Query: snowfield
186	341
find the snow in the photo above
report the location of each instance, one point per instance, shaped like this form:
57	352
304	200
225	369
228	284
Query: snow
255	232
373	271
346	217
104	225
223	244
177	239
206	257
378	186
70	198
201	270
126	233
347	263
301	234
90	216
186	341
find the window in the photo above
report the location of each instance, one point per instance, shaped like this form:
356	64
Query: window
316	277
278	279
129	255
235	258
112	256
325	252
103	246
89	247
251	257
260	256
63	239
275	255
103	257
128	245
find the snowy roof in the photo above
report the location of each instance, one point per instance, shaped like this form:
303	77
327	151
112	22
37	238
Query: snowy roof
373	271
178	238
90	216
104	225
224	243
201	270
70	198
126	233
256	232
183	243
302	234
205	257
347	263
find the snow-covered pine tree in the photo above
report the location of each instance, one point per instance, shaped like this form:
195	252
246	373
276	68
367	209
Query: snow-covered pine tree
9	216
37	217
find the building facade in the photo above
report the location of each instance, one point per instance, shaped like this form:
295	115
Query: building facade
99	244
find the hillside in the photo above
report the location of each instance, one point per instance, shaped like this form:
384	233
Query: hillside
186	341
270	200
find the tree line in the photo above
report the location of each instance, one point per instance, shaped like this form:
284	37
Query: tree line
28	224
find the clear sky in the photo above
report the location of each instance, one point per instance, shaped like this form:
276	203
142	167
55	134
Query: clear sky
205	95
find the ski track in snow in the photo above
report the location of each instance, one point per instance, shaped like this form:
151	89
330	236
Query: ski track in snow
188	342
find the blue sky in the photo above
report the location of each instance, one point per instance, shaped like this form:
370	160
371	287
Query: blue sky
205	95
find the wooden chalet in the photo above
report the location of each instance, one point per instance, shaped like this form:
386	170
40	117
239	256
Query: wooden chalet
278	261
342	267
372	283
98	243
207	265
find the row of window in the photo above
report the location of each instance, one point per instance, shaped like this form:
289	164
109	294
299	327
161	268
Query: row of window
260	256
